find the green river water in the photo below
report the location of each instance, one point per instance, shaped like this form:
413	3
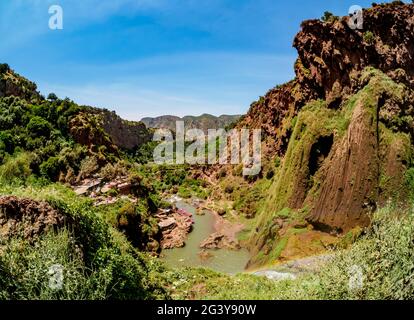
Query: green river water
223	260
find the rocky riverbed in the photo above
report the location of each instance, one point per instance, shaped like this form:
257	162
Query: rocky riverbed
175	225
212	242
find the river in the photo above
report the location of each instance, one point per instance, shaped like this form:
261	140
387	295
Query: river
222	260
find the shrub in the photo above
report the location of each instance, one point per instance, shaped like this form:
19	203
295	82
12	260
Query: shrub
409	180
110	171
50	168
4	67
183	192
369	37
7	142
385	257
38	126
52	97
88	166
329	17
16	168
24	270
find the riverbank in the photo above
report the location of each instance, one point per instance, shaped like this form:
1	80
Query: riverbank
224	254
225	235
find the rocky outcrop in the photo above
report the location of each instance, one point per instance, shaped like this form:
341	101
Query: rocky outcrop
349	181
343	127
105	192
330	54
86	129
27	218
218	240
331	57
175	225
12	84
98	128
203	122
125	134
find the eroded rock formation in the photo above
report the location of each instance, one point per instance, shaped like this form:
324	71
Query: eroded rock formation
27	218
343	127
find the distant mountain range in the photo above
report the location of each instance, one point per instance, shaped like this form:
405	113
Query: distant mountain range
203	122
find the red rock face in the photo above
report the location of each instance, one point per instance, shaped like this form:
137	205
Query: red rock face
104	128
330	66
331	53
268	114
27	218
349	189
12	84
331	58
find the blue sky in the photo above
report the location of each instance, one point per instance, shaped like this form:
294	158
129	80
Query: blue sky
154	57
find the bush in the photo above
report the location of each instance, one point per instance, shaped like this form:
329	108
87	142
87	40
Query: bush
25	270
96	264
88	166
183	192
385	257
38	127
329	17
52	97
4	67
50	168
110	171
369	37
409	179
16	168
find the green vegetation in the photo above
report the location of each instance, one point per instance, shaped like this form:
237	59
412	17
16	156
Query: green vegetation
384	255
409	179
369	37
108	240
44	141
329	17
40	130
98	261
16	169
294	182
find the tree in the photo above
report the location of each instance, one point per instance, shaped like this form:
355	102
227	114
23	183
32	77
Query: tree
39	127
52	97
4	67
329	17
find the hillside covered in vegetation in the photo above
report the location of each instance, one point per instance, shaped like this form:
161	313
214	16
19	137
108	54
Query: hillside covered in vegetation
334	198
338	139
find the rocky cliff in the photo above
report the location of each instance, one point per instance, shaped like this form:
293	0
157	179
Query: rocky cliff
203	122
343	128
331	58
104	127
12	84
